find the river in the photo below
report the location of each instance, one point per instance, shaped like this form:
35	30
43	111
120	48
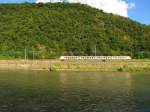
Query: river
41	91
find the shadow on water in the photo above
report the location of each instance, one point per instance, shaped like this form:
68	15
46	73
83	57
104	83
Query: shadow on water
37	91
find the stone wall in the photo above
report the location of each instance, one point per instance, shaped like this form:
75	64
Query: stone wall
25	64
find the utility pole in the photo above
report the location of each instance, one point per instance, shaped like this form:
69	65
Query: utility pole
33	54
95	51
25	54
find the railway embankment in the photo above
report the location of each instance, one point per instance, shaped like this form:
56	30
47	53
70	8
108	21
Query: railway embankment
56	65
25	64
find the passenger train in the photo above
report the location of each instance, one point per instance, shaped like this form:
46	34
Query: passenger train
95	58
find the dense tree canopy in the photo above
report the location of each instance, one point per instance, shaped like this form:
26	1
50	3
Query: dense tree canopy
50	30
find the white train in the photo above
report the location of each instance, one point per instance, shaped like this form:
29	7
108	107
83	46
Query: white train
95	58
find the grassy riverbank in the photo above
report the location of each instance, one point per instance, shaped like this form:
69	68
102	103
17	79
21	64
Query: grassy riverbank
129	66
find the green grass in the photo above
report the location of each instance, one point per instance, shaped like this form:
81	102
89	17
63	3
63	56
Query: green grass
132	65
133	60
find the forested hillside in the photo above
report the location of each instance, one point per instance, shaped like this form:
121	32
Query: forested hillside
51	30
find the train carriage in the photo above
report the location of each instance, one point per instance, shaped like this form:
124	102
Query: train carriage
95	58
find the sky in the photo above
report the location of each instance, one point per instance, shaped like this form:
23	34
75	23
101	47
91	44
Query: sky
138	10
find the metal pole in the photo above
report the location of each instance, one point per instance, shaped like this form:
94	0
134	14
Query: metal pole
25	54
33	54
95	51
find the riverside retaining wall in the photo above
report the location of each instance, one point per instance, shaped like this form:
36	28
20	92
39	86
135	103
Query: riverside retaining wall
25	64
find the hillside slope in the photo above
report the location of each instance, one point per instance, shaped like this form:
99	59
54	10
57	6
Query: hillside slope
51	30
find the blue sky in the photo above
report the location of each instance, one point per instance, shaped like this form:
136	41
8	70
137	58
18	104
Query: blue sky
140	13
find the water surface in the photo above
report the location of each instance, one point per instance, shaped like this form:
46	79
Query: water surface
26	91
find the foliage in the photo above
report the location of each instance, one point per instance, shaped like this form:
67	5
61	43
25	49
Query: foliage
58	29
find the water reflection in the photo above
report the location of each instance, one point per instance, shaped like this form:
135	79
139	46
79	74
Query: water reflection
95	92
26	91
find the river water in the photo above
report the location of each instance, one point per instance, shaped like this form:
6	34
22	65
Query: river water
26	91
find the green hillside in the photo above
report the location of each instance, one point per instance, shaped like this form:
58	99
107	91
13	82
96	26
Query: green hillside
51	30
